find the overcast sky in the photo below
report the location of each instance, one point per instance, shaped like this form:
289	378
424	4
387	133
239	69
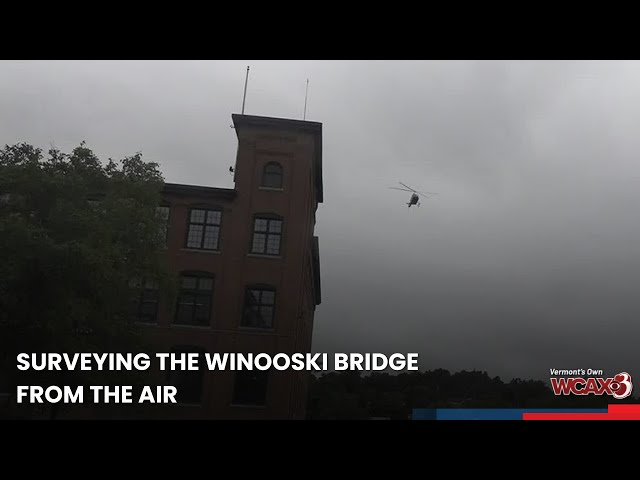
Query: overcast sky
529	257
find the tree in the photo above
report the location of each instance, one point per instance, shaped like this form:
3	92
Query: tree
74	233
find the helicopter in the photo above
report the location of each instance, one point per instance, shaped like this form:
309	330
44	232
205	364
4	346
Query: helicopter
415	198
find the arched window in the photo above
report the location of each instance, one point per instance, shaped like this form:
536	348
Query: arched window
144	303
194	299
250	387
259	306
267	234
163	211
272	175
203	230
189	383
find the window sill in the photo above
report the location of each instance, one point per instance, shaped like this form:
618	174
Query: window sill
234	405
257	330
195	327
146	324
260	255
200	250
271	189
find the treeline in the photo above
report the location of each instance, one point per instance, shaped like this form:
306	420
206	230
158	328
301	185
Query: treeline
350	395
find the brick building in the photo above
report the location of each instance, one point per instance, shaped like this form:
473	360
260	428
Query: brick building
248	262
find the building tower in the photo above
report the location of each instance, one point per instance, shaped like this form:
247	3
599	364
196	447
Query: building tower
278	180
248	260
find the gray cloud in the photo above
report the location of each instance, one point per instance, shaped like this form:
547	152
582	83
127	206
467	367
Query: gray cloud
529	257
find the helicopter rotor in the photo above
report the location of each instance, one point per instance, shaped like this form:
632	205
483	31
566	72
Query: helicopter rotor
409	189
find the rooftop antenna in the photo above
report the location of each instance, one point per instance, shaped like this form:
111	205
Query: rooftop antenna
244	97
306	93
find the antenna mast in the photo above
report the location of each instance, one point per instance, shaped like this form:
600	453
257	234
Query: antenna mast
244	97
306	93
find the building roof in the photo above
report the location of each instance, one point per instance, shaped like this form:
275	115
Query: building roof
199	191
314	128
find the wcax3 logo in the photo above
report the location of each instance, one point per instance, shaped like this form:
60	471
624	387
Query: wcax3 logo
619	386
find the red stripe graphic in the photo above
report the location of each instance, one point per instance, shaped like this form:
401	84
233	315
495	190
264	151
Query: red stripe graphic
614	412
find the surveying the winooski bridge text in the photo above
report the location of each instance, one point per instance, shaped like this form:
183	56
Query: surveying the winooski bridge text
216	361
181	361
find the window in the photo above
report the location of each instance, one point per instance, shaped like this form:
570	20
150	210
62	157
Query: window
250	387
272	175
266	236
204	229
259	306
188	383
163	213
194	300
144	306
